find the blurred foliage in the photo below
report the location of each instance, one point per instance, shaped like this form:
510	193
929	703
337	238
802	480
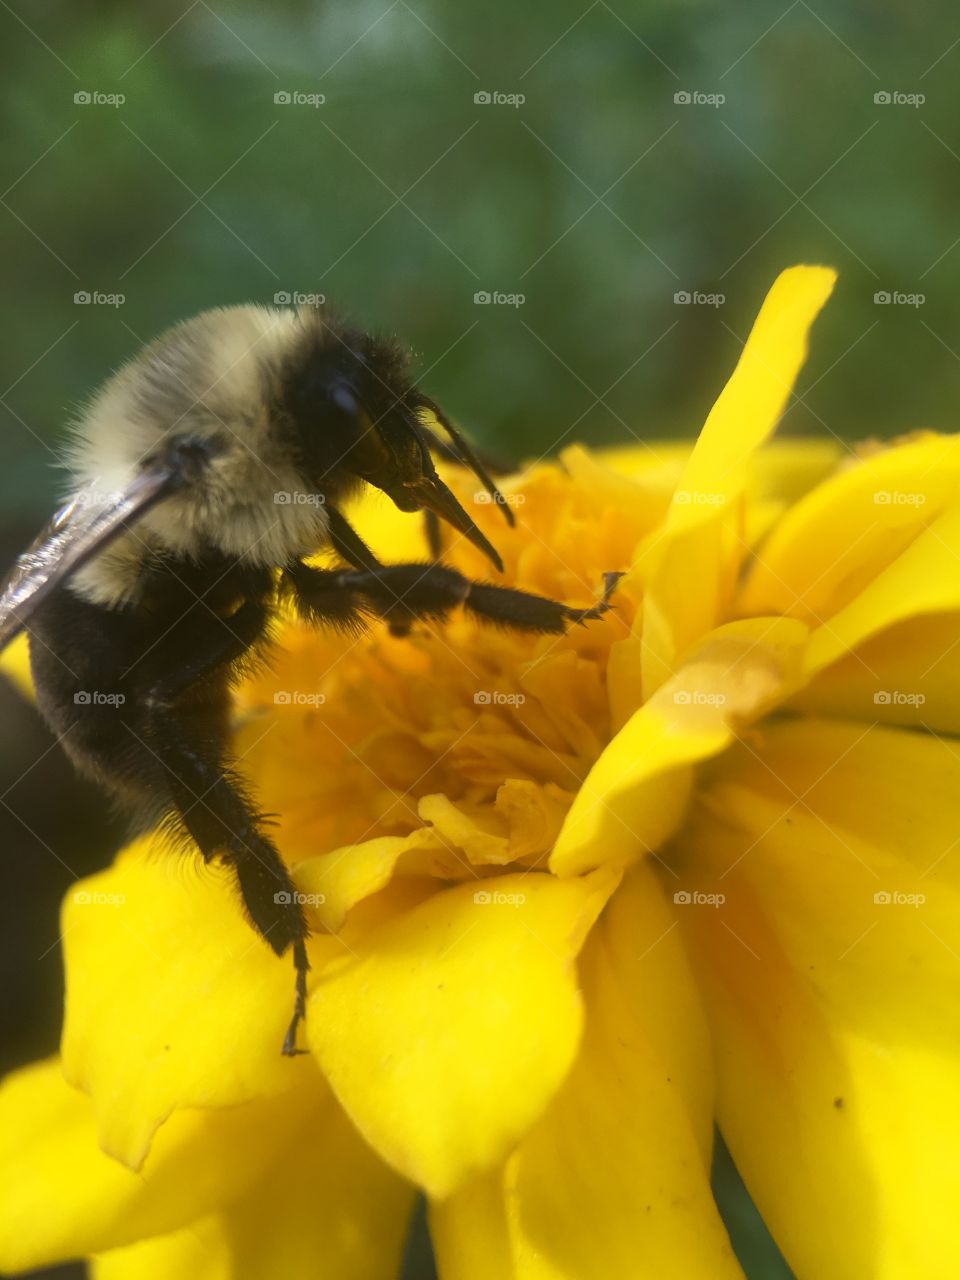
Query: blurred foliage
399	198
598	198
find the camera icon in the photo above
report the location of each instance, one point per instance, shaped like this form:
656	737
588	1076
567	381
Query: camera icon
82	98
682	697
482	497
882	899
482	698
882	299
882	698
882	498
282	98
681	298
82	299
282	498
82	698
482	99
82	897
281	299
482	897
283	898
682	97
682	898
482	298
282	698
882	98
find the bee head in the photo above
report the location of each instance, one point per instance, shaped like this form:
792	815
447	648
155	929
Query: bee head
358	418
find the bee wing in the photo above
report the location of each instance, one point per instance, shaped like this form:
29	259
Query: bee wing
82	527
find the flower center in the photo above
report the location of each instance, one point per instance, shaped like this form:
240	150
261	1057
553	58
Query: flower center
481	733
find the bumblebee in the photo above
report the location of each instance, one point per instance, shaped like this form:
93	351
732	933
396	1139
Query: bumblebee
204	475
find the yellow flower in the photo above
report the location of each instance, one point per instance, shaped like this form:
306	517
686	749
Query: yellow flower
574	899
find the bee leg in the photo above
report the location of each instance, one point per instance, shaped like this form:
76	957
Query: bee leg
347	542
401	593
350	546
210	804
433	533
207	800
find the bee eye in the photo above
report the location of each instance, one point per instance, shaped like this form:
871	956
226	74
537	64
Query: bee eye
345	400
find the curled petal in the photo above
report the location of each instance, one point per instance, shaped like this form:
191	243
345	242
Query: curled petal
172	999
636	795
473	986
614	1179
689	568
822	909
324	1206
61	1197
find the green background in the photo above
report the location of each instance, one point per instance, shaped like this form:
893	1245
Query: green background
598	198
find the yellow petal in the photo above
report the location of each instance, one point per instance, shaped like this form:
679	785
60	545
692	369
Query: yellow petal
689	569
908	674
470	1232
448	1031
891	652
832	978
635	796
784	470
614	1180
521	825
324	1206
200	1251
172	1000
781	472
923	579
15	665
61	1197
834	541
335	882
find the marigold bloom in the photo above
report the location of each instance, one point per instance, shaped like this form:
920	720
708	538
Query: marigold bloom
574	900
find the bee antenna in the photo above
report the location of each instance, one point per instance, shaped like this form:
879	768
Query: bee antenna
465	453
